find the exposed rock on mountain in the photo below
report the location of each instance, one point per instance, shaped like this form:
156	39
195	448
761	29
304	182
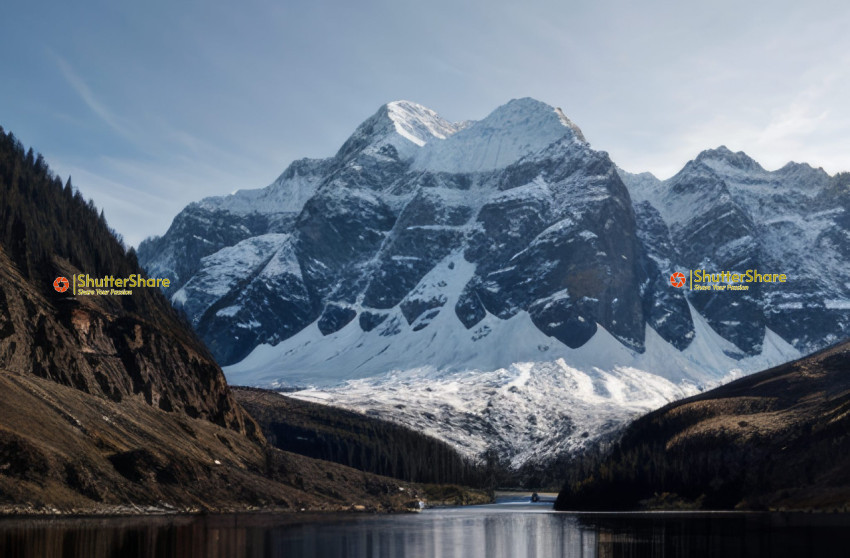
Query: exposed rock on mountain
725	212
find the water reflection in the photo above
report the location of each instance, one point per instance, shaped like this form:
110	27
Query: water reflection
494	532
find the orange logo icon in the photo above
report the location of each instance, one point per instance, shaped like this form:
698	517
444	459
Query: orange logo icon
677	279
61	284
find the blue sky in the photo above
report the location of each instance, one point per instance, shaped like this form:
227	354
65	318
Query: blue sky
151	105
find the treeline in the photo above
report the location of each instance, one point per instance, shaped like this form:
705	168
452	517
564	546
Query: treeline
779	439
44	221
566	468
359	441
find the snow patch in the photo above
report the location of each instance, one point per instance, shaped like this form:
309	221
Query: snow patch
418	124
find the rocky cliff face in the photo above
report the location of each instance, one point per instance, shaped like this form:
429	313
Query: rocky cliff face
725	212
113	346
93	345
545	219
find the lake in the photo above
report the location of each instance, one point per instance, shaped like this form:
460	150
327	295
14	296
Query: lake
510	529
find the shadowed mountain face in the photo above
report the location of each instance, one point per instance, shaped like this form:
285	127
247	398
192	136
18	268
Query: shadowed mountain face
778	439
111	402
357	440
725	212
545	219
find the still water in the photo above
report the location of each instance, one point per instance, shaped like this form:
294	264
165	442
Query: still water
496	531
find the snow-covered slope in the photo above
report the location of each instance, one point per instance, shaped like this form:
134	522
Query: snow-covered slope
502	284
419	124
519	128
503	384
540	405
287	194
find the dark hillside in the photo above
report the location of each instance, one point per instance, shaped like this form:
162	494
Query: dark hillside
356	440
110	403
113	346
779	439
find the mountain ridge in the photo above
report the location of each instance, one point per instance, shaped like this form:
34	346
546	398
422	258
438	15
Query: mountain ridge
514	219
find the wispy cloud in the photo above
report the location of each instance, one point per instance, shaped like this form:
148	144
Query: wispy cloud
85	93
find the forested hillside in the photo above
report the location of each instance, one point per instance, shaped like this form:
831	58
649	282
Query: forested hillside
111	346
779	439
358	441
44	220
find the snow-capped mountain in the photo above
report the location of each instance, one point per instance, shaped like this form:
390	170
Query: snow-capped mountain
725	212
501	284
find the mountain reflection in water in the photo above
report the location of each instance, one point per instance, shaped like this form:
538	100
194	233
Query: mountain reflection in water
491	531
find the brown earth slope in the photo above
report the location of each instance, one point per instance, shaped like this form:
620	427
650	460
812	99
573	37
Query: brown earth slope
111	402
779	439
64	450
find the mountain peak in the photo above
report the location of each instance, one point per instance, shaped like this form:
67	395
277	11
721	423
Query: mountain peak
527	110
418	123
404	126
803	177
723	156
569	124
514	130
